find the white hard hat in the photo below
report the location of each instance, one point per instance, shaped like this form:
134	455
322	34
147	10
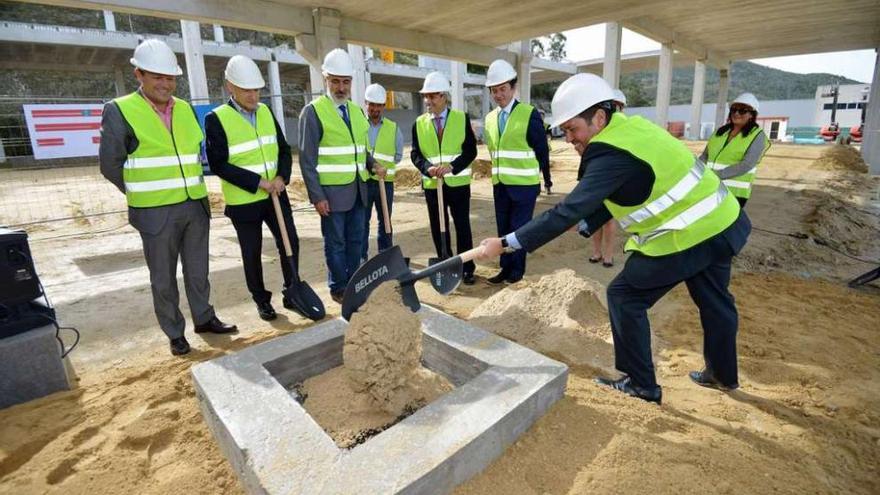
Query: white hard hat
576	94
375	93
338	63
244	73
500	71
155	56
436	82
619	96
747	99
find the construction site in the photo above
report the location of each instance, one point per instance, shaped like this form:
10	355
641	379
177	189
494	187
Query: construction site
501	396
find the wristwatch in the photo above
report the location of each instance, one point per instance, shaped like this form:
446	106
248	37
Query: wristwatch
505	246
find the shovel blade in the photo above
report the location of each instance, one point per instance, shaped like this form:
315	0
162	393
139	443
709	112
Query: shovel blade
448	279
387	265
305	300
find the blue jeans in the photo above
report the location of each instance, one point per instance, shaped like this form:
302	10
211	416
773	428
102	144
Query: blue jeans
383	240
343	237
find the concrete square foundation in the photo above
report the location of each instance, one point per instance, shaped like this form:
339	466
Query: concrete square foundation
276	448
31	366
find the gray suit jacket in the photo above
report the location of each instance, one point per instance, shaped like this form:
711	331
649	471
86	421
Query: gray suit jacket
341	198
117	142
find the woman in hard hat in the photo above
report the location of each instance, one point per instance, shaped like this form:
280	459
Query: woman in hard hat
636	173
736	148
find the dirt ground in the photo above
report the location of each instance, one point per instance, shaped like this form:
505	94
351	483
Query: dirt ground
806	419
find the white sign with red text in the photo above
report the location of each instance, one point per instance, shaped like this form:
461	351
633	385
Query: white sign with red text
64	130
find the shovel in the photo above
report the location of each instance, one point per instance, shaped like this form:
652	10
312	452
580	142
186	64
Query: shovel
299	292
389	265
383	198
444	249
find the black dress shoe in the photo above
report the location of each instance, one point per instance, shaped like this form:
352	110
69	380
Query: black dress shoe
498	279
266	311
706	378
214	325
468	279
179	346
337	297
512	279
626	386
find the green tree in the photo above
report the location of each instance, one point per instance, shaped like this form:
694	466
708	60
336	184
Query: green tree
556	49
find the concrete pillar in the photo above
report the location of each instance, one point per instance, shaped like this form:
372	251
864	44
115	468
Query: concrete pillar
275	91
871	133
664	85
119	81
457	70
486	102
313	47
418	103
524	71
697	99
109	20
723	89
611	64
2	152
195	62
361	78
218	33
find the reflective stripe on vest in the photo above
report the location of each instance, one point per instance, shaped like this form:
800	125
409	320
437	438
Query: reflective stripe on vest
437	153
385	148
342	153
723	153
686	206
165	168
513	161
251	148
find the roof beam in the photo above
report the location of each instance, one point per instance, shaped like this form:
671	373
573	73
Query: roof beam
663	34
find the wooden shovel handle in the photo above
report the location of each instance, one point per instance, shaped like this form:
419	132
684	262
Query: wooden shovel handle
384	200
440	206
471	254
282	225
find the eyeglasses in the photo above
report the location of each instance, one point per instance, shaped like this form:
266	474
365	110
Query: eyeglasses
741	110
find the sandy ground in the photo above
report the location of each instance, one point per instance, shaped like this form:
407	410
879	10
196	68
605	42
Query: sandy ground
805	420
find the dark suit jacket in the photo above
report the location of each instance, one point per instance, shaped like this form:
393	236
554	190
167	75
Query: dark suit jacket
217	149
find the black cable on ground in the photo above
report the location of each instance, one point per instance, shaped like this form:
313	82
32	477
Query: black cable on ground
819	241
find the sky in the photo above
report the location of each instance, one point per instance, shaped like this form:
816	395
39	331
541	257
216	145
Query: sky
589	43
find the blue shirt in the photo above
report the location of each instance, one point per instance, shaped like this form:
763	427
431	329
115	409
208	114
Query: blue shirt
251	117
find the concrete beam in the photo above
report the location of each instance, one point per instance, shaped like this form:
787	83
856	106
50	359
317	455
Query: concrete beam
723	89
549	65
258	15
457	70
314	47
664	85
871	139
384	36
663	34
195	62
18	65
697	99
109	20
275	91
524	71
611	65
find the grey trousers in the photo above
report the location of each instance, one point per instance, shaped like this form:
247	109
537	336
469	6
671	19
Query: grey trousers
184	236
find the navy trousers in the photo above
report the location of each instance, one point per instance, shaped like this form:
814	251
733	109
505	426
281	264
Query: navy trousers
374	202
514	207
457	202
705	268
343	237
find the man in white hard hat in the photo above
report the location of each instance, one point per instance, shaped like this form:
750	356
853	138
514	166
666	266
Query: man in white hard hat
685	227
335	164
514	134
386	148
150	146
443	146
247	150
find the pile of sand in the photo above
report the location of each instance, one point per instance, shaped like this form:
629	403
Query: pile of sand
559	314
381	381
841	157
480	169
296	190
407	178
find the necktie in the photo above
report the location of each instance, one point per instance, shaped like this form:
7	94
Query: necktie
438	124
502	121
345	115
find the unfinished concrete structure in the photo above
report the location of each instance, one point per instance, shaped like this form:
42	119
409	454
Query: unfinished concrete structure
275	447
